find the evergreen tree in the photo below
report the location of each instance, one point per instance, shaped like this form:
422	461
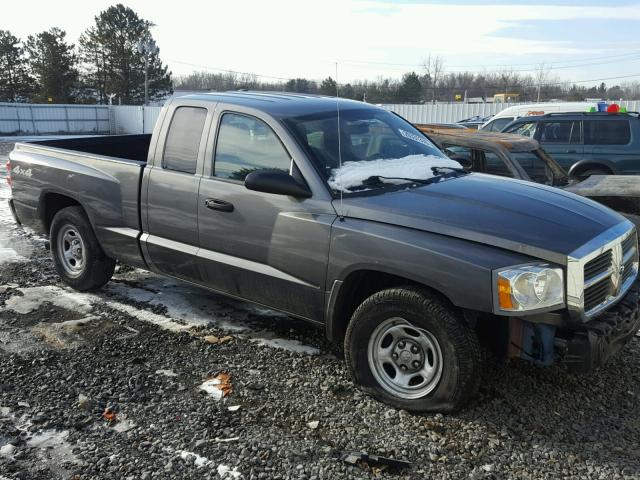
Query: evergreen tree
328	87
114	63
52	63
15	84
410	89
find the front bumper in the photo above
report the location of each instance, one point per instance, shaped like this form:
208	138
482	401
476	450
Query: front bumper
603	336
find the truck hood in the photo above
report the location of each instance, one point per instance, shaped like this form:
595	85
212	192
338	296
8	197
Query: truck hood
536	220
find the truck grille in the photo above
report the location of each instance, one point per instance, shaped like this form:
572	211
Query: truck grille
598	265
607	276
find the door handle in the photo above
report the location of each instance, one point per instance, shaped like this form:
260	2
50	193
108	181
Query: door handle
215	204
571	151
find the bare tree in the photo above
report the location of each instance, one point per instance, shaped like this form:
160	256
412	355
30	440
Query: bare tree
433	67
508	78
541	77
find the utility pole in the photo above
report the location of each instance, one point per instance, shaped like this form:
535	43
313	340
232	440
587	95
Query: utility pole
146	47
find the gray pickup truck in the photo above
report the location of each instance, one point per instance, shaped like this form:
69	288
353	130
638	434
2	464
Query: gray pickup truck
342	214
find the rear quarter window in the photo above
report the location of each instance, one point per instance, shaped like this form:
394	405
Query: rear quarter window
183	139
607	132
498	124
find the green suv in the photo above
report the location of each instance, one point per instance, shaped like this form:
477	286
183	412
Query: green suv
589	143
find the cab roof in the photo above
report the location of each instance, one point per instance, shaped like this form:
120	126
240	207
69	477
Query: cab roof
280	104
480	138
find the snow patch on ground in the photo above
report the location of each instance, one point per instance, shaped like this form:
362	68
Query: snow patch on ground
226	472
186	308
53	446
63	334
286	344
194	306
352	174
33	297
8	254
166	373
124	425
7	450
199	461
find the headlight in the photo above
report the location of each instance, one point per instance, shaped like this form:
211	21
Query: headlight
529	287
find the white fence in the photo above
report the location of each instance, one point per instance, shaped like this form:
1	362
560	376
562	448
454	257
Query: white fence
36	119
446	112
132	119
43	119
453	112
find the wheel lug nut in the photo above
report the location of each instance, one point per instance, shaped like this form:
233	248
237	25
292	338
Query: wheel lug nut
394	356
401	344
403	367
416	364
414	349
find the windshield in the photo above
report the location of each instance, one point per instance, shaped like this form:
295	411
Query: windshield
373	143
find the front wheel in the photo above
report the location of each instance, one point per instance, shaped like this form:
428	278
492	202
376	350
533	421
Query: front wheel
408	348
77	255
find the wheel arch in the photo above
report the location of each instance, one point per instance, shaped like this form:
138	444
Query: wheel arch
584	165
348	293
51	202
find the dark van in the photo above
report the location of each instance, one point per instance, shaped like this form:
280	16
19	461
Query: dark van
589	143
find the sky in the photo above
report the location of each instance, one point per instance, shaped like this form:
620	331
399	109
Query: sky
577	40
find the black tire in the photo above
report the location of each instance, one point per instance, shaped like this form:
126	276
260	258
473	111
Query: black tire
460	352
96	268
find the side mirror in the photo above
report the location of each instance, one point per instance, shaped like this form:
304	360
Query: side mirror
276	182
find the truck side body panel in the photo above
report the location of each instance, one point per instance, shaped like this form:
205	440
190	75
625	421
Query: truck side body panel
108	189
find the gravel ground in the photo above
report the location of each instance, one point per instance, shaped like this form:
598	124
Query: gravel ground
140	348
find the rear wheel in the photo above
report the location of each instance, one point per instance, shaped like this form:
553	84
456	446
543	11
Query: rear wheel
77	255
408	348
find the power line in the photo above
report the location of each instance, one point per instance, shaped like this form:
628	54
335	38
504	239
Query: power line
551	63
543	65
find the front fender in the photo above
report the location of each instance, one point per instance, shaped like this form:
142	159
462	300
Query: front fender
460	270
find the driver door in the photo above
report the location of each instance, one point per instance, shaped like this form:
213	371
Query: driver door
267	248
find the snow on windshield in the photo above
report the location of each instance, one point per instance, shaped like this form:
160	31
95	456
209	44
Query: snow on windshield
352	174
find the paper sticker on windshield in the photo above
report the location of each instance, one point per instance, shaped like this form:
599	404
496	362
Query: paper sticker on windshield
414	137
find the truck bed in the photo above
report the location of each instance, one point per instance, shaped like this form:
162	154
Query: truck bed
103	174
127	147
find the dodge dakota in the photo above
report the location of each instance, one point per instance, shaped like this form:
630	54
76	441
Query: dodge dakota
345	215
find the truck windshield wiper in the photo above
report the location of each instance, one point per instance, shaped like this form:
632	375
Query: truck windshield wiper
377	179
374	180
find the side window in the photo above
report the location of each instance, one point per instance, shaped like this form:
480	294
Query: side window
560	132
527	129
607	132
498	124
495	165
246	144
535	166
183	139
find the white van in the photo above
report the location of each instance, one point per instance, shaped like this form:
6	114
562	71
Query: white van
508	115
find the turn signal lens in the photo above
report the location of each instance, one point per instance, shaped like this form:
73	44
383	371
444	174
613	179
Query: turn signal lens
504	294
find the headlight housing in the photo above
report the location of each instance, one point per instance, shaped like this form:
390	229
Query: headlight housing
528	288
